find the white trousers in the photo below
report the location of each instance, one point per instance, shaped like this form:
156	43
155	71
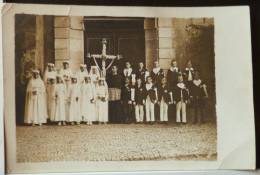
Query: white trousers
163	111
181	112
139	113
149	109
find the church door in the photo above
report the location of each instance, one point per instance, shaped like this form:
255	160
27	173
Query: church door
124	37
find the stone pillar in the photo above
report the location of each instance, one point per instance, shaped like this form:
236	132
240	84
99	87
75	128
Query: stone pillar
166	47
69	40
151	42
39	43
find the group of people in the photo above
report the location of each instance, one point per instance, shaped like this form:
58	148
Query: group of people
67	97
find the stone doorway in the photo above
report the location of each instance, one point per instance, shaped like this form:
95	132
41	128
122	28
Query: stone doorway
125	36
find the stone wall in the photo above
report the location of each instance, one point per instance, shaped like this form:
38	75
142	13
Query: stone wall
151	42
69	40
165	37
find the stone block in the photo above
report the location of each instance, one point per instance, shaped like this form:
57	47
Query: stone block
149	23
165	22
165	32
62	33
165	63
151	44
76	22
76	45
61	54
61	21
77	56
150	34
61	43
165	42
166	53
76	34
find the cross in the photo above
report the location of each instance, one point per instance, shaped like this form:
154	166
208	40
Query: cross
103	56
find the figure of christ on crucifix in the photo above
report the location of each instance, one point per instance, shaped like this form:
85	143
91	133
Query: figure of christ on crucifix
103	56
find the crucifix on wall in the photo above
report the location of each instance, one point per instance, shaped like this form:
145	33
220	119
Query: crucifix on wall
103	56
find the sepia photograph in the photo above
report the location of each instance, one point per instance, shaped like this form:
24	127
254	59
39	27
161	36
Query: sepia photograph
94	91
114	89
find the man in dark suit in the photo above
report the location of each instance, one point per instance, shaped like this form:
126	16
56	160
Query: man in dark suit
172	80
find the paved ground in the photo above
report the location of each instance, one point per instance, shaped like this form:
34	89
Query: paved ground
116	142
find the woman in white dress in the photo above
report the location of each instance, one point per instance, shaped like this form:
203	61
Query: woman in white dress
87	101
35	103
51	103
60	97
49	75
74	101
102	101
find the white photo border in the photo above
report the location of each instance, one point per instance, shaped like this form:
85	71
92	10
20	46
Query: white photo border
234	87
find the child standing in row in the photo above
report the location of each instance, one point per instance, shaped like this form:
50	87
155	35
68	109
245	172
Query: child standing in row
74	101
180	99
102	101
150	99
126	100
60	98
198	95
139	100
164	99
87	103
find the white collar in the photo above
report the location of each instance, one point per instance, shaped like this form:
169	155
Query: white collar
148	86
189	69
197	82
127	70
181	85
174	68
156	70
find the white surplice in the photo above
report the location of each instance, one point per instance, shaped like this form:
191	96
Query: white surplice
35	103
49	89
51	104
74	104
102	106
60	97
87	104
66	75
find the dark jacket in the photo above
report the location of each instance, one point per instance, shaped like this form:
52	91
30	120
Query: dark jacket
157	78
172	78
151	93
141	74
164	92
186	73
140	94
197	91
114	81
180	91
127	76
126	93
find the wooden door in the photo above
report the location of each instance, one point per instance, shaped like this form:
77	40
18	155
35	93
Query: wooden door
123	37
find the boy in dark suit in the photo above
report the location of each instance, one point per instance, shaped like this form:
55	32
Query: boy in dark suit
181	97
150	99
198	95
128	71
139	100
189	74
157	74
127	103
172	80
141	72
164	98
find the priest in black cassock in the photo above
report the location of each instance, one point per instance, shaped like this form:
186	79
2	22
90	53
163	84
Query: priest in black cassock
114	82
